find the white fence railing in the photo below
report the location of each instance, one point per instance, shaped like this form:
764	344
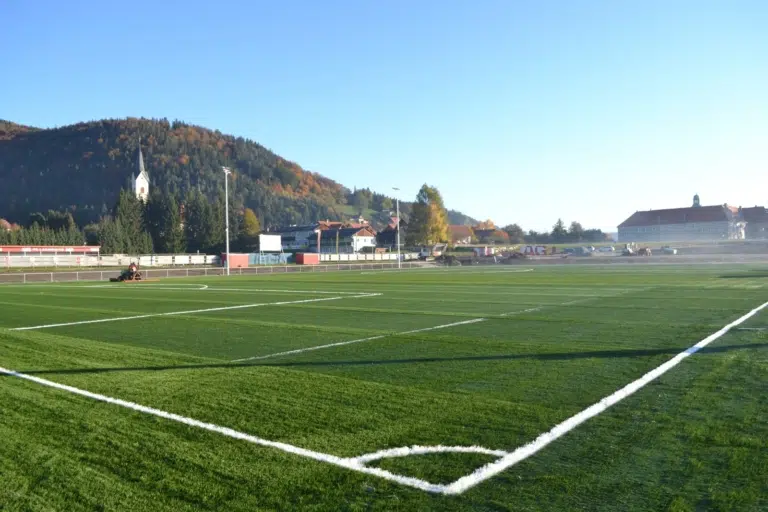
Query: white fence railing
161	260
105	275
387	256
111	260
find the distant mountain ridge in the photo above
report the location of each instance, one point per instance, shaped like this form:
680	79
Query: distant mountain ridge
82	167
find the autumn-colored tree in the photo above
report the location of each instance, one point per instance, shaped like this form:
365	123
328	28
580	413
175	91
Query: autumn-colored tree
487	224
251	225
429	221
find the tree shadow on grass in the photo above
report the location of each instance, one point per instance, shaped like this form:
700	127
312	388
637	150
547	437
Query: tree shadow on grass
553	356
747	274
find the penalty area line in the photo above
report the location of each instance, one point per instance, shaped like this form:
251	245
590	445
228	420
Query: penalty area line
402	333
192	312
361	340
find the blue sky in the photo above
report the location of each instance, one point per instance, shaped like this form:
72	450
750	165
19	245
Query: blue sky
517	111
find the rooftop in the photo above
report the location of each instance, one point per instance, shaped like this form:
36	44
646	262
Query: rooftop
719	213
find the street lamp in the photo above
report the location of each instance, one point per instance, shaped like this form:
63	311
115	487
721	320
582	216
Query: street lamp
227	172
397	202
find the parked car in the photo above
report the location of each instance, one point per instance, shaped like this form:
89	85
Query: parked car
608	248
668	250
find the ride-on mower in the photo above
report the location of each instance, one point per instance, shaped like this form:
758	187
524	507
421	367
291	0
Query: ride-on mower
126	276
130	275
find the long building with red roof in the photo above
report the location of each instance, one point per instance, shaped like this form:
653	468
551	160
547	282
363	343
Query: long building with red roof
697	223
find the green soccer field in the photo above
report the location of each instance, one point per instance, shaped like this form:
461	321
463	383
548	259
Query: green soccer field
285	392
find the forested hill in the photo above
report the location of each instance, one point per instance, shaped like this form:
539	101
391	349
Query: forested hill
81	168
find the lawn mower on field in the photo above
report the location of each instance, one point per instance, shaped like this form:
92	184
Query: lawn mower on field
129	275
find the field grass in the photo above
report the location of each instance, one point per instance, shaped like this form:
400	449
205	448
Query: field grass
428	371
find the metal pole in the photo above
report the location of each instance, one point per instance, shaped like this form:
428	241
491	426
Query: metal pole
226	210
397	202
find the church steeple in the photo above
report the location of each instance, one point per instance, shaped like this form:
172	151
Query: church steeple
696	202
141	182
140	163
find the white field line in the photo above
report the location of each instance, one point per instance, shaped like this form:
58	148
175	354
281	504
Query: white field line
178	286
494	468
265	290
752	329
381	336
407	451
576	301
350	342
323	457
547	306
189	287
457	270
191	312
506	459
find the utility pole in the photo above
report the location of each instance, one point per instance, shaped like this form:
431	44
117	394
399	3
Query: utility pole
227	172
397	202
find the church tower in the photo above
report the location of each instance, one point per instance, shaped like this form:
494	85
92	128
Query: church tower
696	202
141	183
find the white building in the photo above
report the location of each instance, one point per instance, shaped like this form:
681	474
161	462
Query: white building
344	240
295	238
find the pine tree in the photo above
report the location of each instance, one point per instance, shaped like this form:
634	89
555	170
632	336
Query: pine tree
130	212
559	233
111	236
172	230
197	215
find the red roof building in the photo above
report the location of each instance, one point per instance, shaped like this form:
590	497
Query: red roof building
697	223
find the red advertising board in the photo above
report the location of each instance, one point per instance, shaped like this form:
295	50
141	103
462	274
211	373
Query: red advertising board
307	258
235	260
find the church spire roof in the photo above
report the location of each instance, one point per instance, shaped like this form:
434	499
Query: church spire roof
140	164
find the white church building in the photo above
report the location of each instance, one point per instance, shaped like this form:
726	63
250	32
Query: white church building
141	182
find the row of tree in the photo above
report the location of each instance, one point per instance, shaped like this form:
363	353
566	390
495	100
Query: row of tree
40	235
429	225
166	225
575	233
195	223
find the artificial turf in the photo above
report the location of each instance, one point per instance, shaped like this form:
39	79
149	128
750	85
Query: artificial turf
551	342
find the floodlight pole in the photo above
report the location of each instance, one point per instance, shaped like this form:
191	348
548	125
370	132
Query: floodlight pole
397	202
227	172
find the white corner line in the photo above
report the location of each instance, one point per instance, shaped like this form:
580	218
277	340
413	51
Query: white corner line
361	340
343	462
494	468
191	312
